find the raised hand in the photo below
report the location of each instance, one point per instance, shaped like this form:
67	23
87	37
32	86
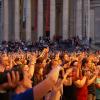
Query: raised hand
54	74
13	80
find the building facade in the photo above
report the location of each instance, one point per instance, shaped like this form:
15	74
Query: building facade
30	19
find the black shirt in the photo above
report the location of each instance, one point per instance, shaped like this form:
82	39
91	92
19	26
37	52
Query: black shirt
69	92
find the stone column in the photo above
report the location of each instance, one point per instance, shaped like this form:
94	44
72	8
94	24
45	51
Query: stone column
17	20
28	20
5	20
1	20
79	19
84	21
65	18
92	24
88	18
40	18
52	18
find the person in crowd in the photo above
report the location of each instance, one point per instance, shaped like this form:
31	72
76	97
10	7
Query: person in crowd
69	90
83	82
98	85
42	78
57	90
39	68
35	93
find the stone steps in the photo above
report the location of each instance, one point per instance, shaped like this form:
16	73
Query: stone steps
95	47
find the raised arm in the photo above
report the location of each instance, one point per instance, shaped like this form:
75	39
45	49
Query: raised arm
90	81
80	83
45	86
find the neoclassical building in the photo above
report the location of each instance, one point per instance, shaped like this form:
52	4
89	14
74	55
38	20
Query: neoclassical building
30	19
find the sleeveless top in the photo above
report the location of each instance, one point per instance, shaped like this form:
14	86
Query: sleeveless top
82	93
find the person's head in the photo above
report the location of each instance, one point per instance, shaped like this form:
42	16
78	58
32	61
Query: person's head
26	81
5	61
57	56
25	68
74	65
95	60
41	62
84	62
66	57
54	63
4	58
18	60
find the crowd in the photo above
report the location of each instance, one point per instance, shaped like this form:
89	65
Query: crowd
46	71
70	45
